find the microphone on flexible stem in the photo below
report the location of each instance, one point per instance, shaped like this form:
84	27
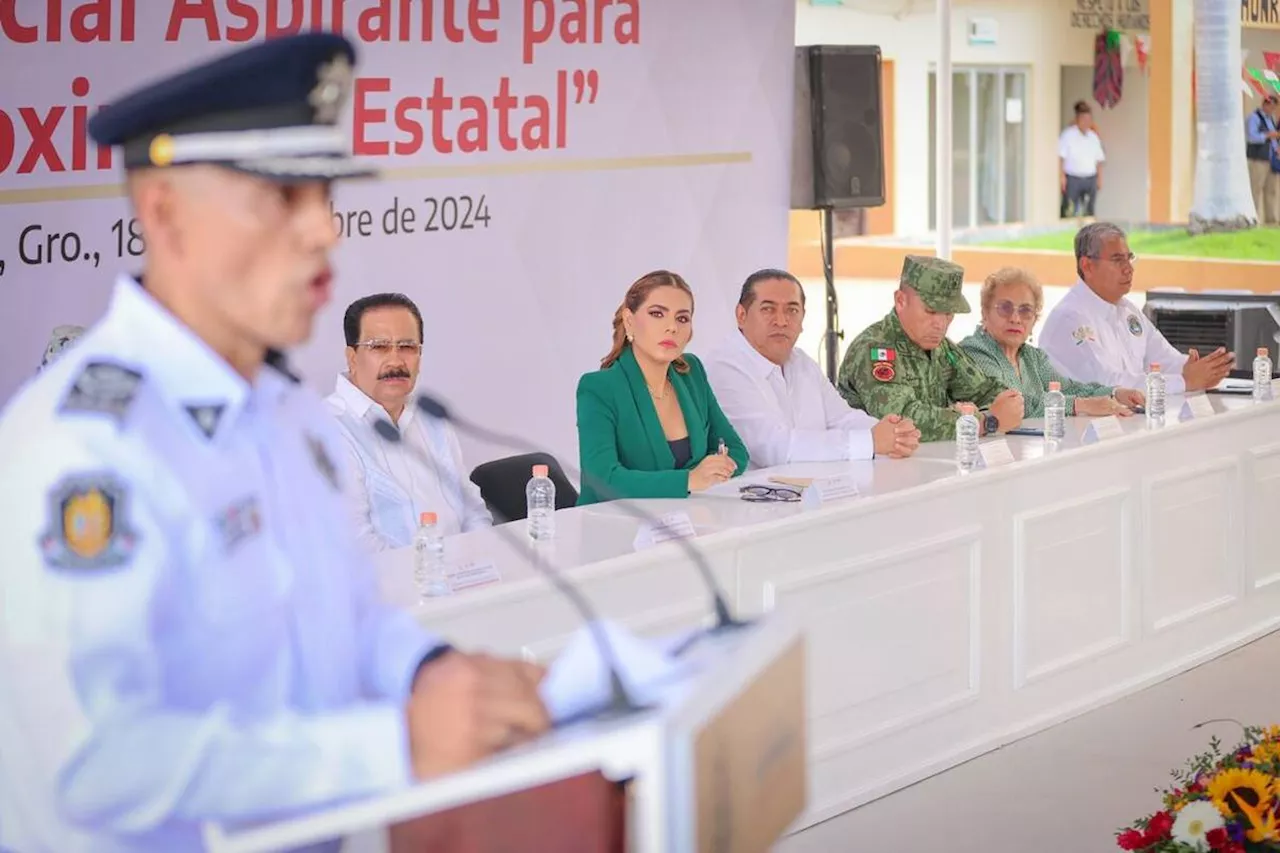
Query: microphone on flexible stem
620	701
725	619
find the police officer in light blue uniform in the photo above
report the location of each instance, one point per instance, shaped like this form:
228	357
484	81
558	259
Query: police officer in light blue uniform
190	632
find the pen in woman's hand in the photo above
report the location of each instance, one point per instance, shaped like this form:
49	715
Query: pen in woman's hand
723	451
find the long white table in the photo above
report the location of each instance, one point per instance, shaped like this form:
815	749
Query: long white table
946	614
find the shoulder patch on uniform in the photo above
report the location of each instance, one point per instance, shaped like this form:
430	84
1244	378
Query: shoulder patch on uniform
883	354
883	371
1084	334
88	524
320	455
1135	325
103	388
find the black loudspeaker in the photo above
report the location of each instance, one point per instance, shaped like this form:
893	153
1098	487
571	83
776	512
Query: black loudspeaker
837	152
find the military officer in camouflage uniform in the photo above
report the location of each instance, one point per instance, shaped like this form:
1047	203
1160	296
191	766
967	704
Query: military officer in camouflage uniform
904	364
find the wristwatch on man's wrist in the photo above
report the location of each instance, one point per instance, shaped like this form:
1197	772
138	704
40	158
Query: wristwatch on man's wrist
990	424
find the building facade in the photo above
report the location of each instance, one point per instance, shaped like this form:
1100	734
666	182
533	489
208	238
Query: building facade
1017	70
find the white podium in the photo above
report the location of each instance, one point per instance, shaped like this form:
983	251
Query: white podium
717	764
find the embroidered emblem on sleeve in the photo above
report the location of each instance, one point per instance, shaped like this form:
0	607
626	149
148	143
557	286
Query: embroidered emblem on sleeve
88	524
102	388
1084	334
882	363
1135	326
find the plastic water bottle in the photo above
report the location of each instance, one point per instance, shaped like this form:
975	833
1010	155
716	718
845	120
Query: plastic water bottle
1262	376
428	558
1155	397
1055	416
540	501
967	439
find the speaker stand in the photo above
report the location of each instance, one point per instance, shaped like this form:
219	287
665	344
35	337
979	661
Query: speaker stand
833	334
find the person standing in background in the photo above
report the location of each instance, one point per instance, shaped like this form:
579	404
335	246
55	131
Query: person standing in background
1080	158
1260	134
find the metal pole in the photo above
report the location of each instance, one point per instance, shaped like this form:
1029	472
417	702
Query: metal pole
833	310
942	135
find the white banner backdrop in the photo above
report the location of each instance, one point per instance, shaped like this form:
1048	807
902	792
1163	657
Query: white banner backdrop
538	156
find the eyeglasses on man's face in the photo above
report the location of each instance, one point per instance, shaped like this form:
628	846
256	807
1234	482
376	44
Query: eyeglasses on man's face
381	346
1006	309
1120	260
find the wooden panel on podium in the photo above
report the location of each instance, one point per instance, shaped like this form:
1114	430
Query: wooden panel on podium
581	814
749	761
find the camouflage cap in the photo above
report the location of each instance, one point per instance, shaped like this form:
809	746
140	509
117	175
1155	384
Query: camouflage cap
937	281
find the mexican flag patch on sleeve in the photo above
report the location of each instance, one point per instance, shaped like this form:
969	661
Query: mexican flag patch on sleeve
883	354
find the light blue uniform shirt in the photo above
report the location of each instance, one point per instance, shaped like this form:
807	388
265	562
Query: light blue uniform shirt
189	630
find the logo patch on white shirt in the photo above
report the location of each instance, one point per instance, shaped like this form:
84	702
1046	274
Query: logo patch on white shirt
1135	326
88	524
1084	334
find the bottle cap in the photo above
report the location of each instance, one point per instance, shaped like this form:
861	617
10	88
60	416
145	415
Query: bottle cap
541	470
427	518
1055	386
1155	367
1263	351
968	409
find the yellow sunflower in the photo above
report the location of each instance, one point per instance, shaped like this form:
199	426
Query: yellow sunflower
1232	790
1267	752
1272	733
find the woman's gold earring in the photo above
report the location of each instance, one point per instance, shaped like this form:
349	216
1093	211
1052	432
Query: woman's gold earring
629	338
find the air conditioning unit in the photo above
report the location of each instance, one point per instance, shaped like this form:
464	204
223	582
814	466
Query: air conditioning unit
1239	321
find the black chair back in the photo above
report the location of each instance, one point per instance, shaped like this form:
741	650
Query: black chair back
502	483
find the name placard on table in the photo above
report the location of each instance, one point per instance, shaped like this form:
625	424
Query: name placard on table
1101	429
1197	406
673	525
826	489
995	453
472	574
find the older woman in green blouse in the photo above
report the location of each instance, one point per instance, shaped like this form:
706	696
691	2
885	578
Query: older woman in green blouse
1011	303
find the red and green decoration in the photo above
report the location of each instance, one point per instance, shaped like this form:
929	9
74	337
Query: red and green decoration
1108	69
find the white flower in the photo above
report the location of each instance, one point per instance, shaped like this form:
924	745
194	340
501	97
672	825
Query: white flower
1195	821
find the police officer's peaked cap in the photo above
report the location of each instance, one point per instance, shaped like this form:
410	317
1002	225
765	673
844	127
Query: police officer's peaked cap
270	109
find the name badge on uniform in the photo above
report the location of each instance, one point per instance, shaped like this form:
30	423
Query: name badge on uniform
87	524
238	522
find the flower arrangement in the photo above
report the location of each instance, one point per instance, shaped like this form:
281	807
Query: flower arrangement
1226	802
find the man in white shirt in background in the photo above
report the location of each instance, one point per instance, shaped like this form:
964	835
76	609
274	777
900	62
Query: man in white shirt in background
1095	334
775	395
1080	158
392	484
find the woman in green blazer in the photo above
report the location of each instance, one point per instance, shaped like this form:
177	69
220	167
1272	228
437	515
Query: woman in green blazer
648	424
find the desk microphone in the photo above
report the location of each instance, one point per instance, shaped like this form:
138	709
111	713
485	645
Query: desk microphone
724	618
620	701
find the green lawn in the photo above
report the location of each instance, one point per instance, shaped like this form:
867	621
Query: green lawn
1256	244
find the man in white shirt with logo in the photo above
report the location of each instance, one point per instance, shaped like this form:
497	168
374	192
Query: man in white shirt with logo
1095	334
776	397
1080	158
392	484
